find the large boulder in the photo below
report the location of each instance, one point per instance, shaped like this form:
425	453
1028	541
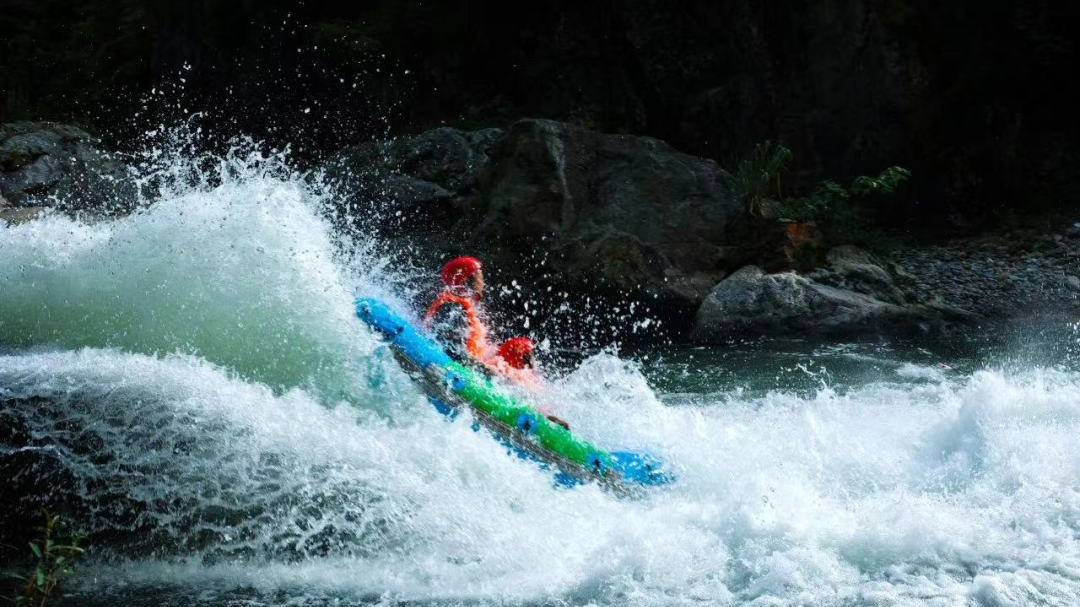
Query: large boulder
618	212
58	165
413	182
568	209
852	294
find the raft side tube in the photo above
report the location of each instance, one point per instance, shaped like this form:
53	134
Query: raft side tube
421	350
640	468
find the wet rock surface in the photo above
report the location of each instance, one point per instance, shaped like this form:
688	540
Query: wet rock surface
619	211
852	294
412	182
59	165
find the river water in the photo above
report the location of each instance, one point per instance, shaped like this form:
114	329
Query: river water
188	384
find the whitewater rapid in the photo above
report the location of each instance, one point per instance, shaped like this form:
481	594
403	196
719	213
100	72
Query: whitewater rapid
189	380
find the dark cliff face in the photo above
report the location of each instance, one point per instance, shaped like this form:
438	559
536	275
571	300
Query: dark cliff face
975	97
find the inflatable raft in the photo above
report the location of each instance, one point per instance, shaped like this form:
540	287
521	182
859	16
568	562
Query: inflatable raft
452	387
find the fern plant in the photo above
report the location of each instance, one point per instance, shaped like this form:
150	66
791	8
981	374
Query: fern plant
758	178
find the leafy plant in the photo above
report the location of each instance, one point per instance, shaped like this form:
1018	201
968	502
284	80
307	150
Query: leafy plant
844	214
757	178
52	560
885	183
843	211
830	194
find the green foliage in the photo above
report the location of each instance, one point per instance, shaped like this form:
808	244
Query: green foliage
52	559
831	198
757	178
843	213
885	183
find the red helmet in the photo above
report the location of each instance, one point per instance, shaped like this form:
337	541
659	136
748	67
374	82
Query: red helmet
517	352
456	271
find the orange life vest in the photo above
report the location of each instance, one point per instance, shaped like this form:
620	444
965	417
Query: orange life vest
476	343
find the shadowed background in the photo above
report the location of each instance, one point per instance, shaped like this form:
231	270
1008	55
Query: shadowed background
977	98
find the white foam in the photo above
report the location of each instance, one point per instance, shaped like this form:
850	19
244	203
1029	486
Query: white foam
913	371
244	274
880	495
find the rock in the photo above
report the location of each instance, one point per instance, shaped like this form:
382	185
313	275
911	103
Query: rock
1002	281
617	211
854	269
448	157
50	164
600	214
755	303
409	190
616	218
404	172
904	280
13	215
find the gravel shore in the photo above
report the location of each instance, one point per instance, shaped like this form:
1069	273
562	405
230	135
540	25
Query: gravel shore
998	275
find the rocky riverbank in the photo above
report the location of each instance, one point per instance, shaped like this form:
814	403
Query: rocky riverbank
1000	275
929	288
608	222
